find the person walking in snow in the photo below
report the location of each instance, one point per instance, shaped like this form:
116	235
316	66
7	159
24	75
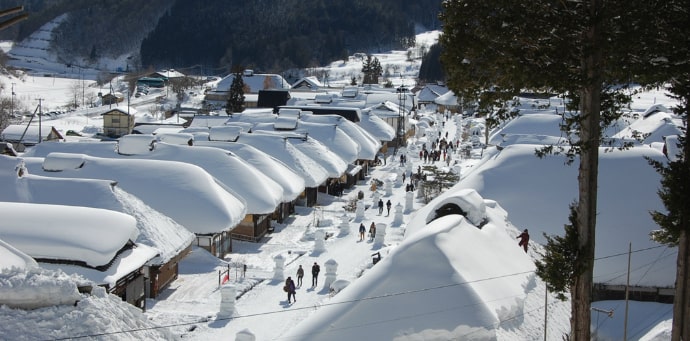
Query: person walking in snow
388	206
362	229
290	288
300	274
380	206
372	231
315	269
524	239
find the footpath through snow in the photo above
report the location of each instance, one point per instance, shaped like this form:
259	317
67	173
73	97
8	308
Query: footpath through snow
195	296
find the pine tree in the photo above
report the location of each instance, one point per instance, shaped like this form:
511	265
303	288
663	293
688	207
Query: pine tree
675	223
236	97
580	48
436	181
372	70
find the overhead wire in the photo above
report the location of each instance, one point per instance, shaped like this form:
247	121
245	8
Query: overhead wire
387	295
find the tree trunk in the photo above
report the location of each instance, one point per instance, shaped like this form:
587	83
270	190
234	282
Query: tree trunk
681	301
588	171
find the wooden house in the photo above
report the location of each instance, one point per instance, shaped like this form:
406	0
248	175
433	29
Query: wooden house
112	98
96	243
118	122
308	84
21	136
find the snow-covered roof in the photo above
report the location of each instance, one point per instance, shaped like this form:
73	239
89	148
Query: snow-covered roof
261	194
326	158
334	139
125	111
627	206
28	134
673	146
10	257
377	127
448	253
280	148
448	99
175	138
468	200
532	128
430	92
207	121
156	230
66	233
224	133
329	135
656	108
652	127
385	109
285	123
368	145
311	83
181	191
170	73
292	183
378	97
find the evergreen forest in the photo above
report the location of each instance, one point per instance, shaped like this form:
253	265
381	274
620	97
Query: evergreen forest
267	35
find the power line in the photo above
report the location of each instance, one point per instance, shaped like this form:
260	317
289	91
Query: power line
388	295
370	298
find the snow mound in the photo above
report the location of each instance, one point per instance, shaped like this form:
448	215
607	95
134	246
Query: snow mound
101	316
36	288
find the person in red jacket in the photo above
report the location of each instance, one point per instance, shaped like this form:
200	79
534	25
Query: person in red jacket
524	239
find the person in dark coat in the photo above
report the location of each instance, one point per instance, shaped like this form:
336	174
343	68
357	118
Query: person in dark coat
362	229
372	230
524	239
388	206
380	206
290	288
300	274
315	269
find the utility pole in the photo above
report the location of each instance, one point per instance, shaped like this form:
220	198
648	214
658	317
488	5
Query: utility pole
12	102
40	117
627	293
546	311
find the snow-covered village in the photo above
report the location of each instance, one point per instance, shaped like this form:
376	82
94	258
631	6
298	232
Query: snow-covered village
326	208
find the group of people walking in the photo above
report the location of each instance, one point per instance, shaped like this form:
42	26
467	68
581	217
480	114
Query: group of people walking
291	289
362	230
388	207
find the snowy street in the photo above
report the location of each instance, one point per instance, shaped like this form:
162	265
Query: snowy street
195	295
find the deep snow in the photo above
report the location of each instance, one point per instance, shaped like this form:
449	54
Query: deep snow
446	279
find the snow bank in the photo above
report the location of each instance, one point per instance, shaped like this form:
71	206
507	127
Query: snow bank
36	288
101	316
